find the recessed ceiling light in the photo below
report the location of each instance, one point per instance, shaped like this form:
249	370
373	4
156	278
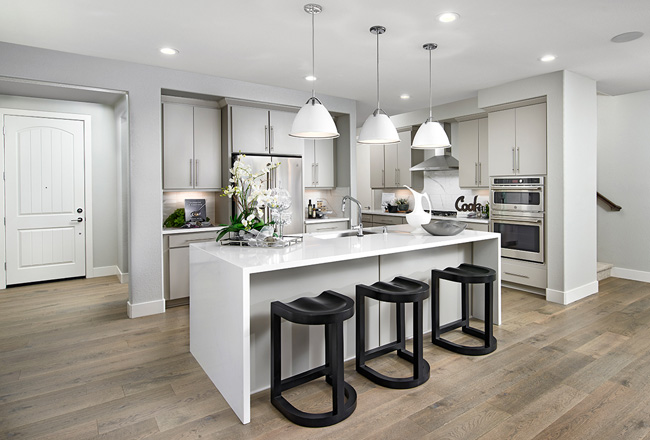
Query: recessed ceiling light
169	51
627	36
310	78
547	58
448	17
405	96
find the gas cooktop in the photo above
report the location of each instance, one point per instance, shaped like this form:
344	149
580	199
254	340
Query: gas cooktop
442	213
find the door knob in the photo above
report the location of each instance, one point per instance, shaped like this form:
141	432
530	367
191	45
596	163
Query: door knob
79	210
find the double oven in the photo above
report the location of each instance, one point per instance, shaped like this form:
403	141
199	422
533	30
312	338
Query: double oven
517	213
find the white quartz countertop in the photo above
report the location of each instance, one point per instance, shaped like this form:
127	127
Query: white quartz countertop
170	231
310	221
314	250
437	217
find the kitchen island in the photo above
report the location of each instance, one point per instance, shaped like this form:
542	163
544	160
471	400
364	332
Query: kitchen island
231	289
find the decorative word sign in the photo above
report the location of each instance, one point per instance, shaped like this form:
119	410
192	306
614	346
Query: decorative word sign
468	206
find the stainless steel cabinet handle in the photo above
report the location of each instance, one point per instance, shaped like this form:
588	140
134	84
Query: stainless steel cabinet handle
513	159
266	138
518	158
313	174
196	172
326	229
516	275
475	173
317	174
396	181
480	173
383	177
272	141
191	173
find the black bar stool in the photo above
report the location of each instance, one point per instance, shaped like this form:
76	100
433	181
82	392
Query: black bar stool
465	274
400	290
329	309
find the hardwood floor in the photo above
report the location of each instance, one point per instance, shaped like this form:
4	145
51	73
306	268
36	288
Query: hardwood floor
72	365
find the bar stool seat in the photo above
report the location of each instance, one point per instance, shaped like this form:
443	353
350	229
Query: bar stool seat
330	309
465	274
400	290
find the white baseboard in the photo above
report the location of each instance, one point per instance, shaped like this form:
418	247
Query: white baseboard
123	277
107	271
560	297
631	274
145	309
103	272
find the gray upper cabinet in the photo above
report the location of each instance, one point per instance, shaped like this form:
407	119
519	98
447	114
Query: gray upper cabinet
517	141
262	131
191	147
390	164
318	163
472	150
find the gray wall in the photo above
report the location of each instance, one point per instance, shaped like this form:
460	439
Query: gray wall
104	170
144	84
623	161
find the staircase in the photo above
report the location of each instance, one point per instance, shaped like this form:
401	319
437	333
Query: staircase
604	270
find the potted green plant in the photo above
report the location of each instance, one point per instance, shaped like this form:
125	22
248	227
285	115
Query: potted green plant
403	205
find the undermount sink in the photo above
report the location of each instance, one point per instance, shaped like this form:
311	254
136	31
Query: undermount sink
339	234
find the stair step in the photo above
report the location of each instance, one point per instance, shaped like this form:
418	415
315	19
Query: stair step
604	270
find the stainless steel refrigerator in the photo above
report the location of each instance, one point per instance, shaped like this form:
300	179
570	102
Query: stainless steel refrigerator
287	176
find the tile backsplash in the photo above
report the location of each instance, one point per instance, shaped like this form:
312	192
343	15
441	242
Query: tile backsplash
330	197
216	207
443	189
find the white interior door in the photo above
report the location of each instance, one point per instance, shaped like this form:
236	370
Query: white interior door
45	211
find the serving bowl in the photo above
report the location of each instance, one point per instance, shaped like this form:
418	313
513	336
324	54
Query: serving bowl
444	227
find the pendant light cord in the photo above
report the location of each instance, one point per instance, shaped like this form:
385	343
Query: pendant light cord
378	71
430	87
313	57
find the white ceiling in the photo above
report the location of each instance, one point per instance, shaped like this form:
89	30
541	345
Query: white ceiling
269	42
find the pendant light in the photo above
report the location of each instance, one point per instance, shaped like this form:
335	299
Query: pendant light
378	128
313	121
430	135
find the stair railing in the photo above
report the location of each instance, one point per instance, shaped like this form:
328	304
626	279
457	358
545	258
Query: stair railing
612	206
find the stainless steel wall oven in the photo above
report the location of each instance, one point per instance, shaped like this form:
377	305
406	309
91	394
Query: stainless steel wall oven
518	215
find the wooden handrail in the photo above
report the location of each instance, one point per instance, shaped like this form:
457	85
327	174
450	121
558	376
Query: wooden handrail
612	206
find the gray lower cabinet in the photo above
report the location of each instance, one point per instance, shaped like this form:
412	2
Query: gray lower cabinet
326	226
477	226
178	267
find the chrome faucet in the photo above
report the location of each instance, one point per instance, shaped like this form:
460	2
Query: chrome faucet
360	230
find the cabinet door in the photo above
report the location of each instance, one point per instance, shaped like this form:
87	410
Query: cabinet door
531	139
324	159
501	142
280	141
179	273
483	158
468	153
250	130
178	141
309	164
390	165
207	148
377	177
404	159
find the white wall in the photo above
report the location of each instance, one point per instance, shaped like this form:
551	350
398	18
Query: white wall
623	161
144	85
104	170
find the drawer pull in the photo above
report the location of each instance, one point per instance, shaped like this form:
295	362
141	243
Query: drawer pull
516	275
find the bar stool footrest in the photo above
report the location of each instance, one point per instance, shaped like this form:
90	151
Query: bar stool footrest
463	349
397	383
317	420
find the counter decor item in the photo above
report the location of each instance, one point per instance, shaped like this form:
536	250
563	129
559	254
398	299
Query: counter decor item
445	227
248	191
419	216
403	205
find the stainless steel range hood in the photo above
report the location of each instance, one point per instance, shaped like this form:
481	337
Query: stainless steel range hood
438	163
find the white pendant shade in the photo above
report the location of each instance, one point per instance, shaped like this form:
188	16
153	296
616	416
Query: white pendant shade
313	121
378	129
430	135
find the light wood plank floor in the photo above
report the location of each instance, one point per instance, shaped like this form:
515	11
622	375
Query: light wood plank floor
72	365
